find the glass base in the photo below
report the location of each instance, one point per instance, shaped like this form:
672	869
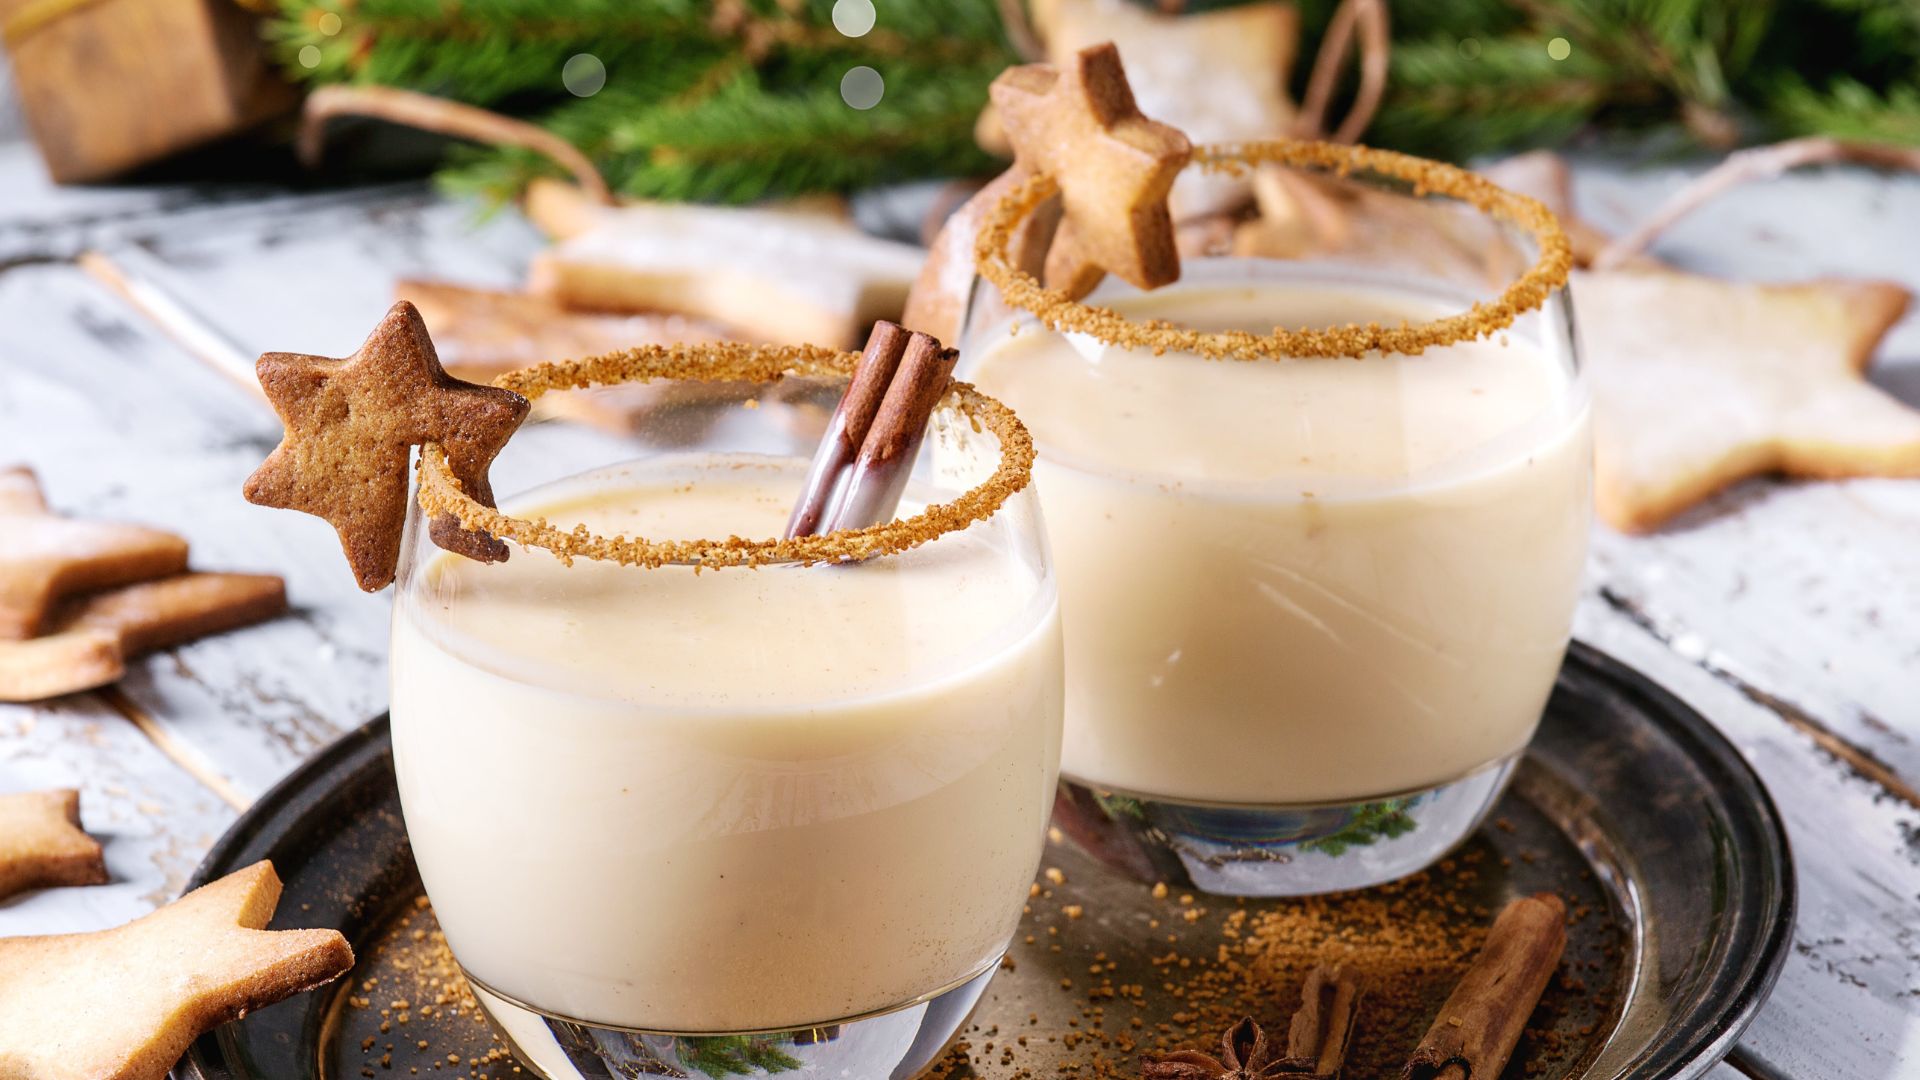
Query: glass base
896	1044
1278	850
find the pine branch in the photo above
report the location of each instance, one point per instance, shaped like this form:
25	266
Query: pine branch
739	100
750	138
486	51
1849	109
735	1055
1502	93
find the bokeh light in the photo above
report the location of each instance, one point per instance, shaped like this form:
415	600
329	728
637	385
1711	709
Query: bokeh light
583	75
853	17
862	87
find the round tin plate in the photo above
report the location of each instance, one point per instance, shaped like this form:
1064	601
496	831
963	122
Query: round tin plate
1628	804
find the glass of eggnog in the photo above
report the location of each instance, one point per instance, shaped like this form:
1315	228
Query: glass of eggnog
708	807
1319	508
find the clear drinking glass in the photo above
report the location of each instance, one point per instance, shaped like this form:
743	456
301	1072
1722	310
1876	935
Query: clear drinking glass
1314	606
777	818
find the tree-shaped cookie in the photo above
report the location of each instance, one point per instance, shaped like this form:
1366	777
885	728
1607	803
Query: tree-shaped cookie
352	425
1079	124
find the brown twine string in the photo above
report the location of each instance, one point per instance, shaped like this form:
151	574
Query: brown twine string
1020	33
430	113
1369	18
1758	163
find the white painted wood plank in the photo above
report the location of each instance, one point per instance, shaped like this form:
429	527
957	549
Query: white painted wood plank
1848	1001
1809	594
315	275
120	424
13	126
152	818
43	220
1805	592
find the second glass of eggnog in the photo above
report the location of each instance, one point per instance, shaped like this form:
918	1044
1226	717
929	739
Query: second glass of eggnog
693	821
1314	603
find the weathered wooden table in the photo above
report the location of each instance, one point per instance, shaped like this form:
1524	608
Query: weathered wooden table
1787	613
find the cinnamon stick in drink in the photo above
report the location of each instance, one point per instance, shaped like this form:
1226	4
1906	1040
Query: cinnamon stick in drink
879	475
848	427
1481	1022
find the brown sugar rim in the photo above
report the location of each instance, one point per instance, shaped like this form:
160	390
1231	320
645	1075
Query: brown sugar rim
732	362
1527	292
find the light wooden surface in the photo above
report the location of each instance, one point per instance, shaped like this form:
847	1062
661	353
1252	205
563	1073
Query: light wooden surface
1787	613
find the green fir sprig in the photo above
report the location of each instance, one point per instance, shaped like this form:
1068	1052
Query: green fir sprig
726	101
734	1055
734	100
1371	822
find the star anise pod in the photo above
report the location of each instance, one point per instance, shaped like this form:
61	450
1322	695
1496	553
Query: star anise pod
1245	1054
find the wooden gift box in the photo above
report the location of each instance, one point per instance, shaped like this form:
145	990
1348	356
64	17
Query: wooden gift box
107	85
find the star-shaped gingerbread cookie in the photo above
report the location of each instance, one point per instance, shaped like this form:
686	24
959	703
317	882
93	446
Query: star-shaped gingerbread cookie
123	1004
1079	124
352	425
41	844
44	557
1700	382
1239	92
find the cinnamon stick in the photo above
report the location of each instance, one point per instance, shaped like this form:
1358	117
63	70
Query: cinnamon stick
1481	1022
848	428
1322	1027
879	475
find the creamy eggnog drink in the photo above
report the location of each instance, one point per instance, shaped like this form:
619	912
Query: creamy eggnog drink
1316	593
743	800
1306	580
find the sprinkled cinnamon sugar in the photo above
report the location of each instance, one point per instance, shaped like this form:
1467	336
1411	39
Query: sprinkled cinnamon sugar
410	1011
1157	970
1057	312
733	362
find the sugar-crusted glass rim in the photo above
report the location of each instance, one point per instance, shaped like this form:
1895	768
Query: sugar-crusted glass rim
441	493
1059	312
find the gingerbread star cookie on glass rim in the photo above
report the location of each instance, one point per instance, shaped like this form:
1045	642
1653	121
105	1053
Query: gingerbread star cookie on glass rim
351	427
1218	73
1079	124
123	1004
42	845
